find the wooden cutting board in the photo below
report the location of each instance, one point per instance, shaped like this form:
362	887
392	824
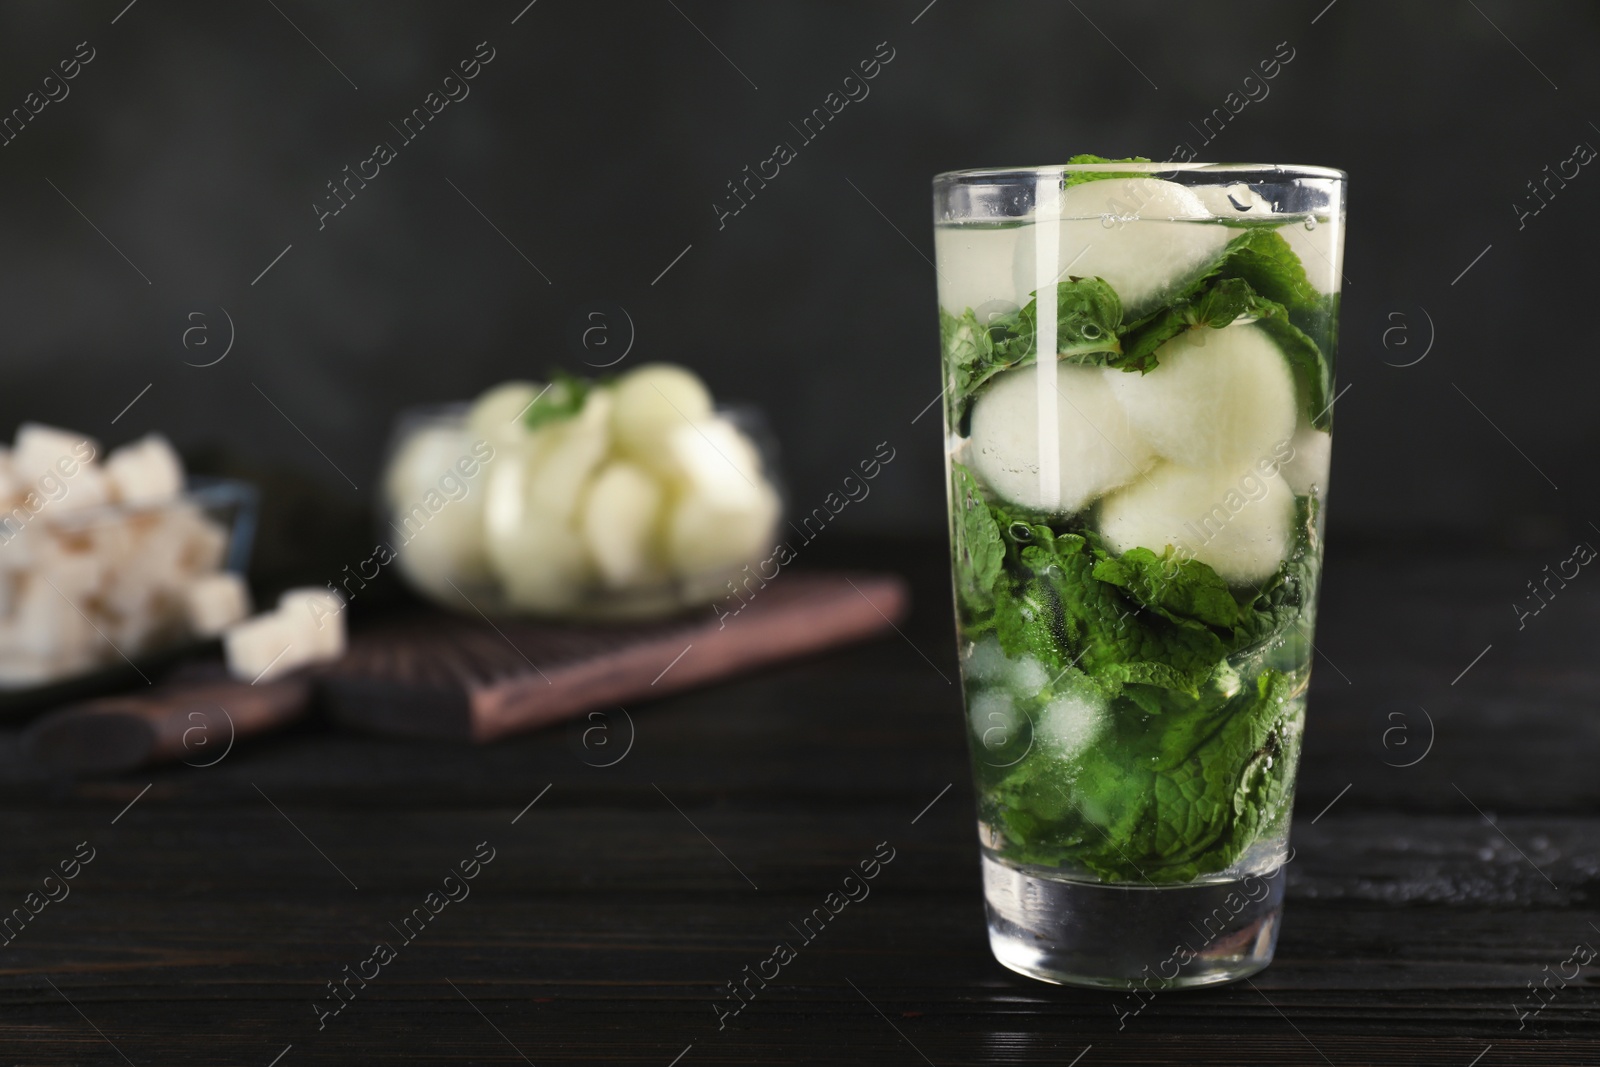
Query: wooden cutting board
475	679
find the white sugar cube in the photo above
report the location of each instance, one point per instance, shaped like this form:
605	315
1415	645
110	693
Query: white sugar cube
265	647
216	601
317	618
146	471
48	625
88	488
44	449
10	485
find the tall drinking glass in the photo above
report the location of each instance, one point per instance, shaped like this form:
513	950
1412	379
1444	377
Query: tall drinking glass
1138	370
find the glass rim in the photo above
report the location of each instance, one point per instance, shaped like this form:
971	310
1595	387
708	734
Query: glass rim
1276	170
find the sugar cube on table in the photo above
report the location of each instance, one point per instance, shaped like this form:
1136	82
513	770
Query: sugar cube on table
215	601
265	647
317	618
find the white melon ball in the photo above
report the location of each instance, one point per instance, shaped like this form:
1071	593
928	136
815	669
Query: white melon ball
975	267
574	451
497	414
1097	447
652	401
712	457
449	548
543	566
1219	399
424	457
1239	522
1144	236
539	558
1307	470
620	516
1234	202
709	532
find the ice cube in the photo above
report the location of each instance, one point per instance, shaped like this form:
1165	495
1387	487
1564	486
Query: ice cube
1099	450
996	722
1237	522
1219	399
985	662
1143	236
975	268
1027	676
1307	471
1071	721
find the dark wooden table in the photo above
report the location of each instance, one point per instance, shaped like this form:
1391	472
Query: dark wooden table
1423	900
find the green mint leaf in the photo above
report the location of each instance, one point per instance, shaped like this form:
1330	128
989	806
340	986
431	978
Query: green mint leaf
1312	376
1079	177
1264	259
562	399
1061	614
1088	315
1221	301
1176	788
979	549
1179	590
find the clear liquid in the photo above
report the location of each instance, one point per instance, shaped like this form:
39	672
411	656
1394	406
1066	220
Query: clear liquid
1075	787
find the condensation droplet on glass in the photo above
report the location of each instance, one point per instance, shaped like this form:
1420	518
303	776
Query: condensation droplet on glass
1311	222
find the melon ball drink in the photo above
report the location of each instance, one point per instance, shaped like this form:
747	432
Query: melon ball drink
1138	372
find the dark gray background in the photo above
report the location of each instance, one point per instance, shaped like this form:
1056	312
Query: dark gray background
599	138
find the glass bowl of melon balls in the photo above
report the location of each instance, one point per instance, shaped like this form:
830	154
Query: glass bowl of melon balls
628	497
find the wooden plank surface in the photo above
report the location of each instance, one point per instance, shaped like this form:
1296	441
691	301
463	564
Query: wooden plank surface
219	904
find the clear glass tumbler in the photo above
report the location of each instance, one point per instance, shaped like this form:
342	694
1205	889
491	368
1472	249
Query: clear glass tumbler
1136	524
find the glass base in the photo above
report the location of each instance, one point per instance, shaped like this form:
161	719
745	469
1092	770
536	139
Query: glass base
1131	937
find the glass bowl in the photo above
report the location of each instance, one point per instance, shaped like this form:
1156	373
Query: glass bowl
512	525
